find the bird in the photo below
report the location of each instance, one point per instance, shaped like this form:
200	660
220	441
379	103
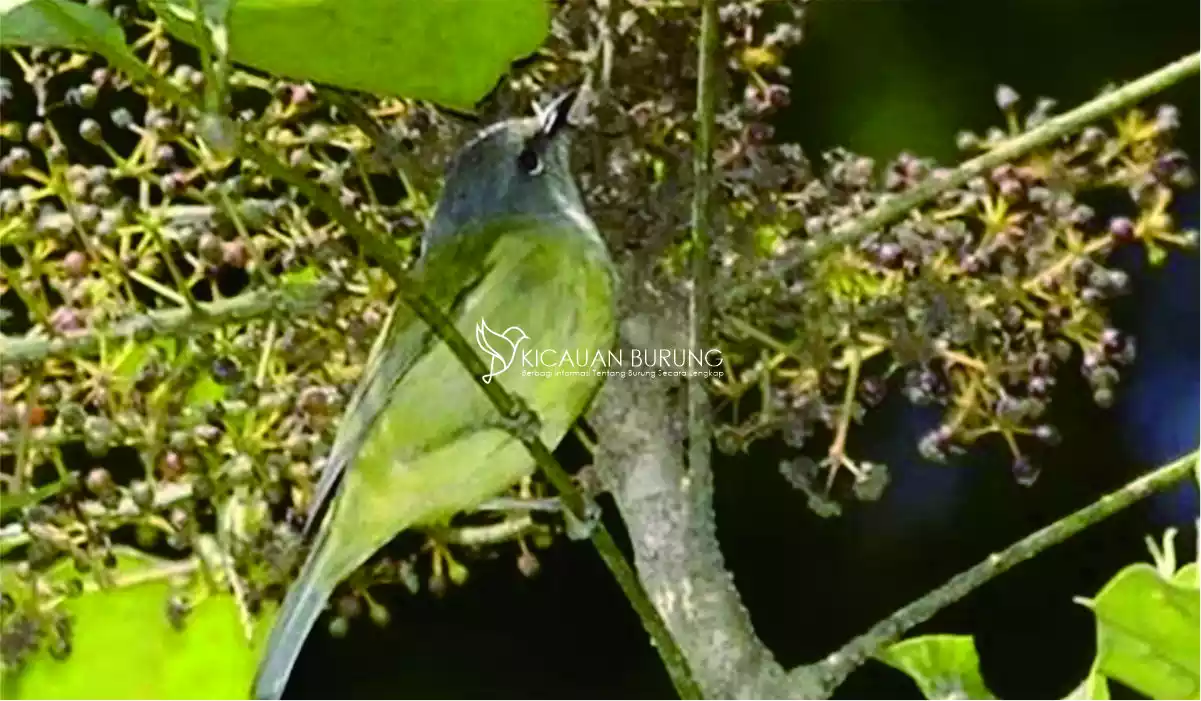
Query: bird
419	441
482	332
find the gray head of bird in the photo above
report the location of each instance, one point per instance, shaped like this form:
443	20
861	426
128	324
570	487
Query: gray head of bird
516	167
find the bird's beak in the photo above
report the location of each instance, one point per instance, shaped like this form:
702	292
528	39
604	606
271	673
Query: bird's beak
555	115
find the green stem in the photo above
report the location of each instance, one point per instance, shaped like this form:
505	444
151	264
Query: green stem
699	429
835	668
289	299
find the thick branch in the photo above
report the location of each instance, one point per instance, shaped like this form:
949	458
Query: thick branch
288	300
835	668
670	522
1056	128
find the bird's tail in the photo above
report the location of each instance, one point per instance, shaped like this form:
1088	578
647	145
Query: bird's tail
302	606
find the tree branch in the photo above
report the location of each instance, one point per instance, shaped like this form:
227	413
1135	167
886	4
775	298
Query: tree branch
295	299
699	433
835	668
669	516
1055	128
674	540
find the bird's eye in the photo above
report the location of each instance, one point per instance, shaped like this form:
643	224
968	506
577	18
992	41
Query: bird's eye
529	162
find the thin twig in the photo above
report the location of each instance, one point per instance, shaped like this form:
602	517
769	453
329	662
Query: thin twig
1055	128
293	299
835	668
699	433
491	534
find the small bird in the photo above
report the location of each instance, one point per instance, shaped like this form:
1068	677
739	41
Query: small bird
509	241
483	337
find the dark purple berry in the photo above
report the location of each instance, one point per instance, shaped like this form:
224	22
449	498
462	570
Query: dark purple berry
890	255
1024	471
1039	386
225	370
778	96
1122	228
1111	341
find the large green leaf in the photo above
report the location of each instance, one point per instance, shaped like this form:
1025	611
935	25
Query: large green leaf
1148	632
944	666
37	23
124	647
451	52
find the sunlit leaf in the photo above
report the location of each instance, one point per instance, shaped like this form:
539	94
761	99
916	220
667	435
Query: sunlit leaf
1187	575
38	23
124	647
944	666
205	390
451	52
1148	632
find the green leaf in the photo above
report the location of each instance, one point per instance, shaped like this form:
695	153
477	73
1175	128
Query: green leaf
206	390
451	52
132	356
123	647
37	23
1095	686
1148	632
1186	576
307	274
944	666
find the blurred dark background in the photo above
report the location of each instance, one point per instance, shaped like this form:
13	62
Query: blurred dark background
878	77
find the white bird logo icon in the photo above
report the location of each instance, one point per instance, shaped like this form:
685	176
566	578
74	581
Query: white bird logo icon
513	336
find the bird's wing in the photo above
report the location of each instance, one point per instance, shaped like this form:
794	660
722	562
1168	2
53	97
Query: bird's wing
400	344
425	441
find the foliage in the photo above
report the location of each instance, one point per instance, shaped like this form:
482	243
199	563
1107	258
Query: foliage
944	666
383	47
120	210
1148	630
114	641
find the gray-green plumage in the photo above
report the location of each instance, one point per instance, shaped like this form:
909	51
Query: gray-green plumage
510	245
